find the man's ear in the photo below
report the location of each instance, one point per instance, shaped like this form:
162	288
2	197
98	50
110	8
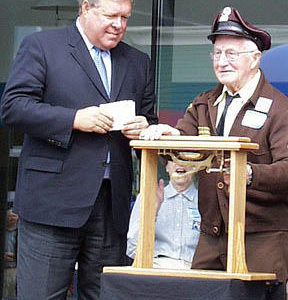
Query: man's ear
256	60
85	7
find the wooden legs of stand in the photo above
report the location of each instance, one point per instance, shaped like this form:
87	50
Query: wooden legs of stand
148	187
236	261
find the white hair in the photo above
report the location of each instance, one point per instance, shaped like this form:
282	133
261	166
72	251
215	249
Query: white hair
249	45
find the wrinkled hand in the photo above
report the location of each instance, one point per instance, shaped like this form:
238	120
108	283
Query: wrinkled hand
133	128
226	174
154	132
93	119
159	195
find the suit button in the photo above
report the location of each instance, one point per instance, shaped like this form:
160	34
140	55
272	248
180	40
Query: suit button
220	185
105	164
215	229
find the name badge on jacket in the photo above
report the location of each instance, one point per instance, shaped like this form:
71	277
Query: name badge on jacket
254	119
263	104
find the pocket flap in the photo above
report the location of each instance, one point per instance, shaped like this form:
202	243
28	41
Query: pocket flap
44	164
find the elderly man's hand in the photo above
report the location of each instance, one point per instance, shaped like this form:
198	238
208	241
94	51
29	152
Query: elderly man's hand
226	174
154	132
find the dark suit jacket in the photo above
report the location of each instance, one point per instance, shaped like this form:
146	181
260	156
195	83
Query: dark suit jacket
60	169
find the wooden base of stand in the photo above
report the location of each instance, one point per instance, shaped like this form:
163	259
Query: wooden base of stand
206	274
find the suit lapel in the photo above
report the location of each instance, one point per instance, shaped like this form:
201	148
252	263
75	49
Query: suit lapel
81	54
119	69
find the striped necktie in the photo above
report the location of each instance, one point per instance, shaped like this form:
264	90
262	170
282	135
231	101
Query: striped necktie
99	63
228	100
98	60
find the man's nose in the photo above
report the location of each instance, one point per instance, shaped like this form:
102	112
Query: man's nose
223	59
117	22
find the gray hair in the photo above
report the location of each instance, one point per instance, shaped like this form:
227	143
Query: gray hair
94	3
91	2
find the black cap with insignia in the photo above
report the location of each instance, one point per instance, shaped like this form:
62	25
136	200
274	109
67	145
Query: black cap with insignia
229	22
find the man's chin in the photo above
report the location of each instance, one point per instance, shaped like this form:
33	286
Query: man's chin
226	80
112	43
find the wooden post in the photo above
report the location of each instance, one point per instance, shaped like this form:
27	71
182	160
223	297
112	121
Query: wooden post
148	187
236	261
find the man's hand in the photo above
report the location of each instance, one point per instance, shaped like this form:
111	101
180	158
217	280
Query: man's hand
159	195
226	174
92	119
133	128
10	257
154	132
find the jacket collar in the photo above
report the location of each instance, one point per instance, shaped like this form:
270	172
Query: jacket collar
80	53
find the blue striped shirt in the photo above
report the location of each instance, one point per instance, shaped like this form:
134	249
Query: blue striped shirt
177	225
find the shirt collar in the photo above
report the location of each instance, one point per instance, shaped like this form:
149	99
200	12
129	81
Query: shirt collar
189	194
88	44
246	92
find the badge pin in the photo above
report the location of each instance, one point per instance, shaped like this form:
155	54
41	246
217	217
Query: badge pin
254	119
263	104
225	14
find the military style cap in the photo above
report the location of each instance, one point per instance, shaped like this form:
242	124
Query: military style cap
229	22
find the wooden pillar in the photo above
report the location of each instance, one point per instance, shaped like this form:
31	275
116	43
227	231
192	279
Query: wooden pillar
148	188
236	261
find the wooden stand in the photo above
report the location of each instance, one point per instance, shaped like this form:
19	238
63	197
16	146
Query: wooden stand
236	260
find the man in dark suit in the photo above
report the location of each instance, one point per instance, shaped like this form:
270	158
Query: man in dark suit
75	174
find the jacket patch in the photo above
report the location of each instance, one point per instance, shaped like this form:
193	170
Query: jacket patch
254	119
263	104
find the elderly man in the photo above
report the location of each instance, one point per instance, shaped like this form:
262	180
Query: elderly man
75	171
243	104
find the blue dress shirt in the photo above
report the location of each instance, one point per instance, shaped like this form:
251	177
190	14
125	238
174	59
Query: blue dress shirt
177	227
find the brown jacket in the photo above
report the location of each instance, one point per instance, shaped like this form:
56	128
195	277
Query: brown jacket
267	197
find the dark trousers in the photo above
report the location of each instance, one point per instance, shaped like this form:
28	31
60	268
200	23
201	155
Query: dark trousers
47	254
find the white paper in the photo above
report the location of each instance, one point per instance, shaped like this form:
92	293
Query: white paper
121	111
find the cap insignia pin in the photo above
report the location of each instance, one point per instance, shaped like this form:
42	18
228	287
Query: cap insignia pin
225	14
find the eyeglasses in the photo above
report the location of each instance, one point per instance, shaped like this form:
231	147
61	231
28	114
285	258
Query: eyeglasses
231	55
